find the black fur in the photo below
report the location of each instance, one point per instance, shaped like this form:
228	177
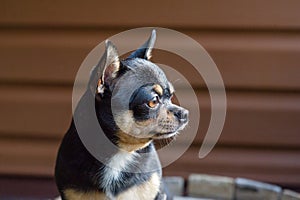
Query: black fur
76	168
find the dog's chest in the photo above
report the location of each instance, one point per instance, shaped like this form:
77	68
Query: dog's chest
115	166
116	185
145	191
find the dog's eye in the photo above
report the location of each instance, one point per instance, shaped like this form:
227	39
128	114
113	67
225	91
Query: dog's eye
154	102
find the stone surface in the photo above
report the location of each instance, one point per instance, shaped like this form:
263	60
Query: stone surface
214	187
175	185
188	198
290	195
250	190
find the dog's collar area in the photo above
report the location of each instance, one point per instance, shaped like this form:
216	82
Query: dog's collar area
130	143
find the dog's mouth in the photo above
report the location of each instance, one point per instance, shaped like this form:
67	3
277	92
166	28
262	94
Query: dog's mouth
165	135
170	133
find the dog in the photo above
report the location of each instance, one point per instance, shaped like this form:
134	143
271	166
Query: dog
131	121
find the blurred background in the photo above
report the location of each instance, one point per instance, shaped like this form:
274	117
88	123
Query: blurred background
255	44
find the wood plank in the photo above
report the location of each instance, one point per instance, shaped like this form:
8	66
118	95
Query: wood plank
265	61
12	187
275	166
275	14
255	119
30	157
258	119
33	111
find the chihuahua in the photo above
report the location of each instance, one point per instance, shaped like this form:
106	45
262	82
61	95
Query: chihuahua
132	102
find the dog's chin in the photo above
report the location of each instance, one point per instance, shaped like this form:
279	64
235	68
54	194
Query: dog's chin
165	135
169	134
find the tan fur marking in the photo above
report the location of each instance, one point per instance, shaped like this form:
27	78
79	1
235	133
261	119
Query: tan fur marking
145	191
157	88
170	115
100	87
72	194
99	83
145	122
130	143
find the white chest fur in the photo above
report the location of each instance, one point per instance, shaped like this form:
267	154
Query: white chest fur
115	166
112	174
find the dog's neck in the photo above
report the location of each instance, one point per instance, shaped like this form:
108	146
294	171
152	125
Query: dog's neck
130	143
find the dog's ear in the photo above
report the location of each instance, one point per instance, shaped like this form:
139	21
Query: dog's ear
106	70
145	50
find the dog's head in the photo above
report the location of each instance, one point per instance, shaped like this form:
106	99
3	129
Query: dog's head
137	93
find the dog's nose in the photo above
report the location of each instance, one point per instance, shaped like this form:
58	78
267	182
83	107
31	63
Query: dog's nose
182	115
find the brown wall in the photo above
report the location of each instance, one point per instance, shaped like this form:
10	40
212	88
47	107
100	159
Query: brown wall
255	44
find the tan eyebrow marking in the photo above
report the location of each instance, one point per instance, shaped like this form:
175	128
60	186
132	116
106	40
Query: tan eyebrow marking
158	89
